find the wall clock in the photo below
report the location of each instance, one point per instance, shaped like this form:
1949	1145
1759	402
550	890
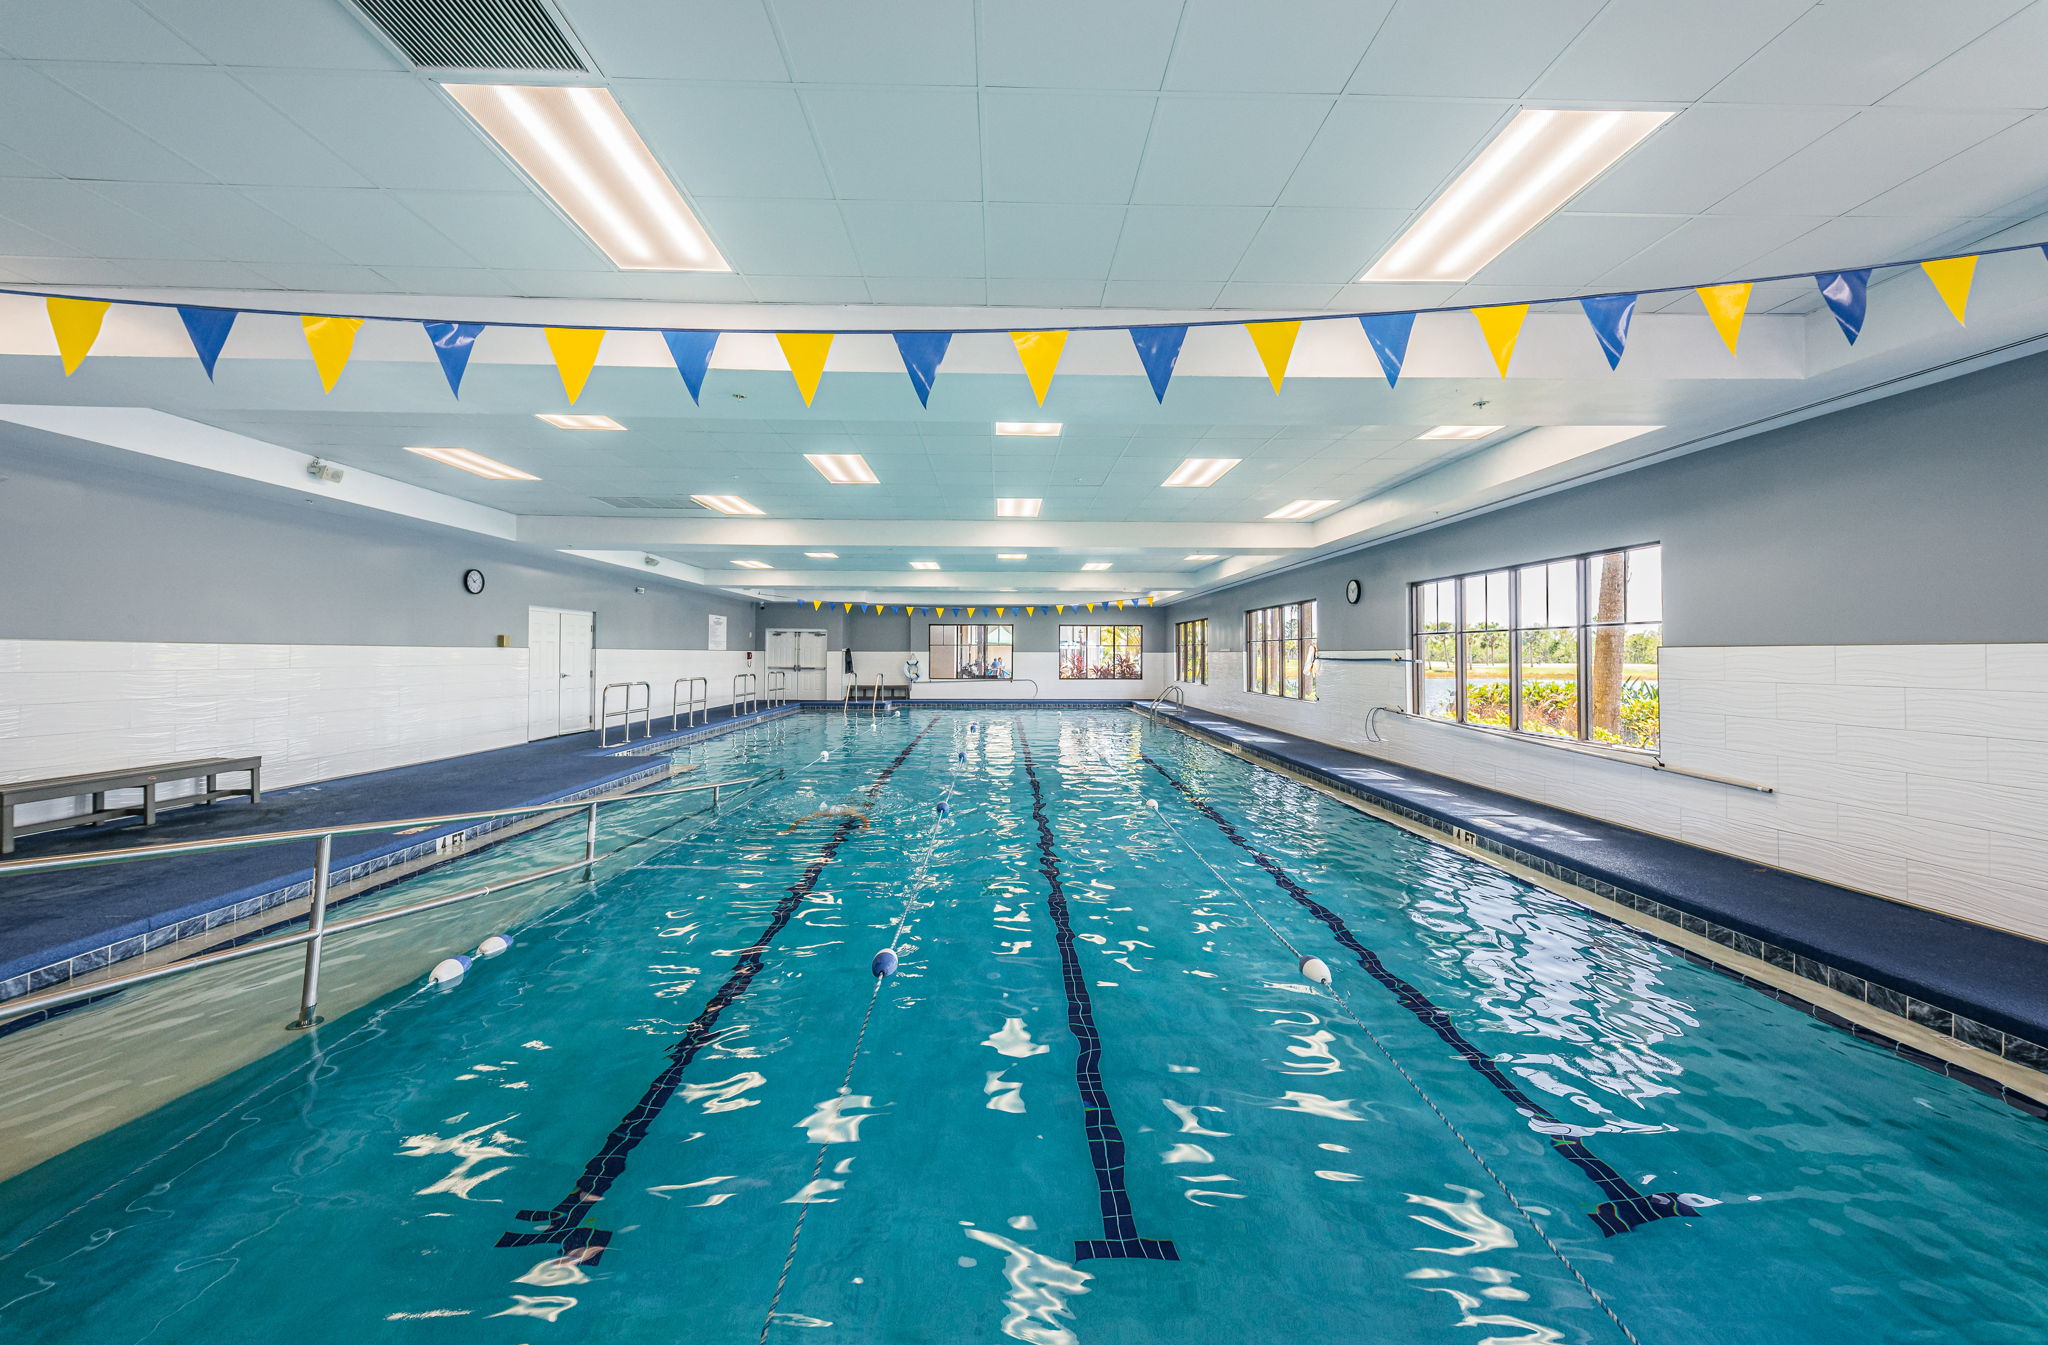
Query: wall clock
1352	591
473	581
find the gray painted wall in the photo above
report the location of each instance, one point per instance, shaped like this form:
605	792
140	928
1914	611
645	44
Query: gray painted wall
1038	634
91	548
1915	519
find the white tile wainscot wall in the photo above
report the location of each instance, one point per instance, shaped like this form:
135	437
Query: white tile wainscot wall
660	668
1044	669
312	712
1918	772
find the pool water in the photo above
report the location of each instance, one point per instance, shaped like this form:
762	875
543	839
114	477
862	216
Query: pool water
1099	1101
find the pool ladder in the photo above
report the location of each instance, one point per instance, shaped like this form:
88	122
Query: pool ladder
688	710
871	694
746	690
625	712
1179	696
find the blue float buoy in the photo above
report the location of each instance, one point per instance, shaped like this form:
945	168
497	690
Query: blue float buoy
449	970
884	963
494	945
942	807
963	756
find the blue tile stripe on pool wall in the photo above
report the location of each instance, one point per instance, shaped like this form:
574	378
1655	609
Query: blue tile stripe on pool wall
1626	1207
569	1224
1120	1238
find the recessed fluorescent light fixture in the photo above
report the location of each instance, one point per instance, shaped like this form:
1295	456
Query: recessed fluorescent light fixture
474	462
1460	431
1015	508
579	422
1200	471
1097	565
1301	509
753	565
1038	429
1013	555
844	469
1542	159
822	555
726	504
1203	555
924	565
578	147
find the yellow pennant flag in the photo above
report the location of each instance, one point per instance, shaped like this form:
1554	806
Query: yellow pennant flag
1040	353
1031	611
1726	305
970	611
816	603
938	611
999	611
1501	325
1149	600
846	607
1061	609
575	352
1275	344
805	353
1091	606
331	340
76	325
1952	277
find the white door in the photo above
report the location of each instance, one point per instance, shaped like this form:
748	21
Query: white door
810	659
558	671
579	670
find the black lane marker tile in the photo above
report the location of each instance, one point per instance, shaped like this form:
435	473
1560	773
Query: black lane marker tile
566	1225
1119	1238
1625	1208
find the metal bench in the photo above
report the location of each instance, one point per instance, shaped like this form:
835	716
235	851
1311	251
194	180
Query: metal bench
99	784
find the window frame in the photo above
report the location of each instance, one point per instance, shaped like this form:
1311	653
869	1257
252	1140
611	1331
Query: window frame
1266	645
1191	651
1135	652
980	643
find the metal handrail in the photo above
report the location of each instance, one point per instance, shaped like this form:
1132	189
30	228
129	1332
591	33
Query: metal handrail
318	927
1180	698
778	687
605	712
699	699
750	694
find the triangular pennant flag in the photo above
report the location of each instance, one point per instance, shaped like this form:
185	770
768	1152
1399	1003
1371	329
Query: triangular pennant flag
1388	334
1847	293
1062	608
1091	606
816	603
1040	354
1150	600
999	611
575	351
330	340
1275	343
1119	604
1501	325
1725	305
805	353
846	607
1031	611
452	343
1610	314
1158	351
208	328
76	324
692	353
1952	277
970	611
921	352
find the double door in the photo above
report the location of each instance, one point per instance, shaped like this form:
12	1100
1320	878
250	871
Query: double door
560	671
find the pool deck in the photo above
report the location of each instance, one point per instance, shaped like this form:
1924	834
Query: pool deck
63	923
1983	986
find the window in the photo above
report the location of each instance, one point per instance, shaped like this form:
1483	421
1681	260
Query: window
972	652
1102	651
1280	650
1191	651
1562	649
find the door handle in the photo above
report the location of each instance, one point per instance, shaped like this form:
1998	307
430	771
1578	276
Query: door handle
565	675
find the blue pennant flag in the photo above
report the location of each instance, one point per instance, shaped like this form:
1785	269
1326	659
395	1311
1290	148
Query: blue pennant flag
1848	294
1610	314
692	353
452	343
1388	334
1158	351
208	328
921	353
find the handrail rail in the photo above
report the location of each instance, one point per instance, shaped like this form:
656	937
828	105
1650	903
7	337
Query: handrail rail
750	694
605	712
313	937
1180	698
698	700
778	687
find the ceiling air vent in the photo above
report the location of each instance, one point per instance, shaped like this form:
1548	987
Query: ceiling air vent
474	34
650	502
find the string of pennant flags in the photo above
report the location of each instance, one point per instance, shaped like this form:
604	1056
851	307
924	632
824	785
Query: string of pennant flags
330	338
912	609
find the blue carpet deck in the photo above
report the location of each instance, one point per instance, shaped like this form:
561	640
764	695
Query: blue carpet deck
46	918
1978	973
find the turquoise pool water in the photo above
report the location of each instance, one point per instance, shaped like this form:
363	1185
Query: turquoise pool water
1098	1102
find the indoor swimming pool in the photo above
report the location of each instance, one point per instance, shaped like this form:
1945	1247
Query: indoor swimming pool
1099	1100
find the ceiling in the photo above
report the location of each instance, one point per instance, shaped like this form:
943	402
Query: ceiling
960	165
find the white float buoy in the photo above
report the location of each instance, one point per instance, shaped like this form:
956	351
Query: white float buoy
494	945
449	970
1314	969
824	756
1153	804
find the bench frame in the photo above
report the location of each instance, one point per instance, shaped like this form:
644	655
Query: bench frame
99	784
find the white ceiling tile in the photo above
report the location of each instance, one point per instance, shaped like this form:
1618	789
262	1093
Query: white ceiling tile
781	238
1184	243
678	39
1052	242
20	165
1657	51
92	30
319	279
1389	154
1317	246
73	137
209	221
207	275
727	139
1301	46
1566	249
1986	73
1225	151
518	231
898	42
365	227
394	130
207	118
1837	243
1705	251
79	219
1078	147
1704	153
1278	298
301	34
809	289
1077	44
1044	293
1477	48
916	238
1393	298
949	293
71	271
1856	54
2007	173
1866	155
899	144
19	239
1163	294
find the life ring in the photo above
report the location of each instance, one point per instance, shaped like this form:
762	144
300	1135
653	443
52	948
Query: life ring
911	672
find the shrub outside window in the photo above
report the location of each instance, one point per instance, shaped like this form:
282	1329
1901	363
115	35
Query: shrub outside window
972	652
1560	649
1280	650
1191	651
1110	652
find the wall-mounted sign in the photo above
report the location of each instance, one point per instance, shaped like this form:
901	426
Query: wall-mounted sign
717	633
